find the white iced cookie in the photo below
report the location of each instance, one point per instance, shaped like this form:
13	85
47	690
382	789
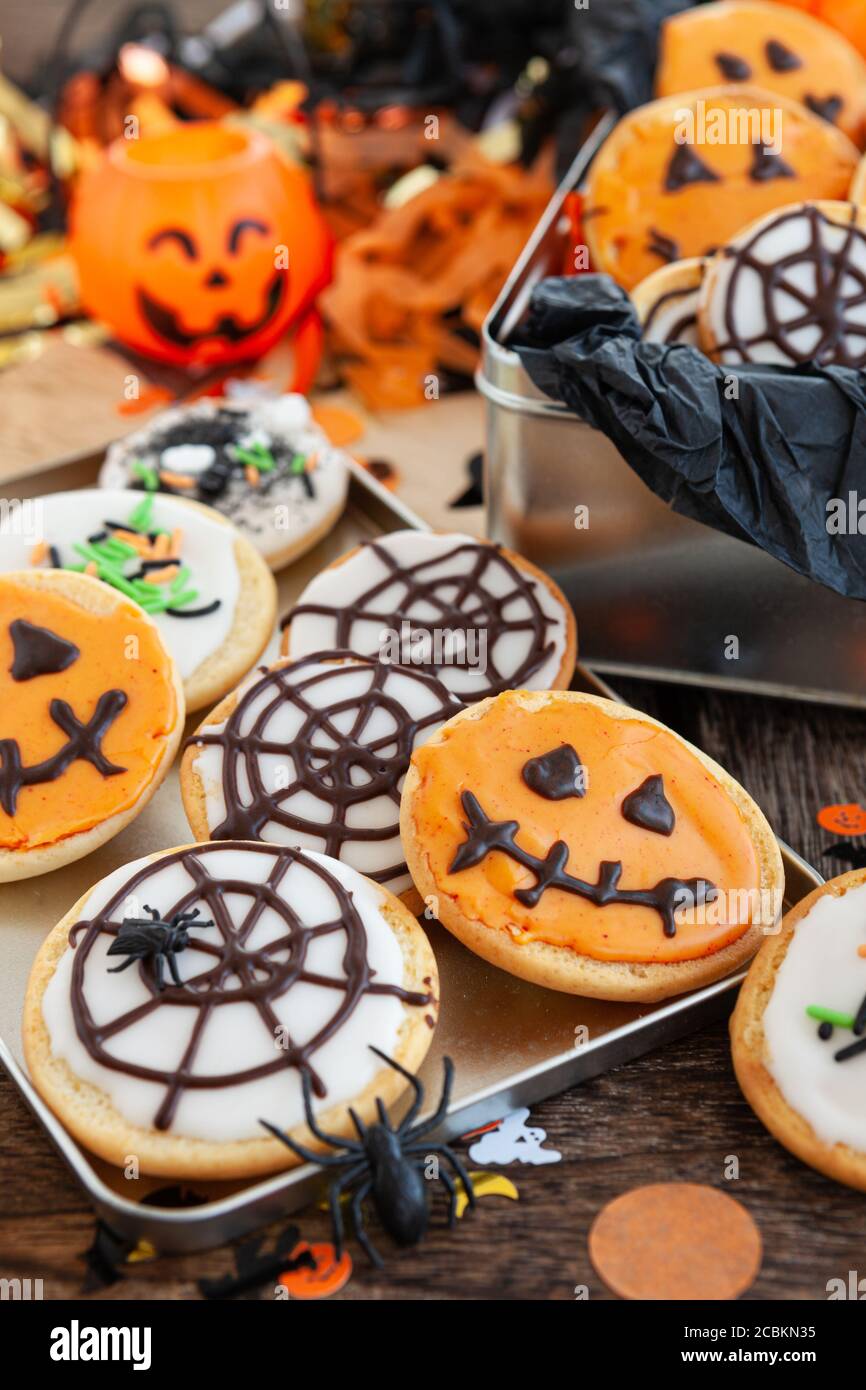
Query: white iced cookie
313	753
180	1001
789	289
207	588
479	617
264	463
667	302
799	1030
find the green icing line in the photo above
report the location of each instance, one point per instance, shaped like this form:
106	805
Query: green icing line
830	1016
148	476
298	464
111	555
257	456
141	519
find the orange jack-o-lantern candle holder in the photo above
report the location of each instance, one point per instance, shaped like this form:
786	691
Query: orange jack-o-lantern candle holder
201	246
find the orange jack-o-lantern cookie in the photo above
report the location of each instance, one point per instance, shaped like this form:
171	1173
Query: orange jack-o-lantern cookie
846	16
752	41
583	846
91	713
680	176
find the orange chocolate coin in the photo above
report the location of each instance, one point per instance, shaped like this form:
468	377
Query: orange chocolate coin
682	175
675	1240
559	835
753	41
90	716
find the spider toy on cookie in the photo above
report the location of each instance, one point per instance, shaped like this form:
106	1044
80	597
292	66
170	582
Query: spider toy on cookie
264	464
208	590
191	993
583	846
798	1033
91	713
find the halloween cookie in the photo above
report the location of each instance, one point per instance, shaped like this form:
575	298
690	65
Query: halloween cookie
313	753
790	288
475	615
679	177
264	464
207	588
753	41
91	712
182	998
583	846
798	1032
667	302
846	16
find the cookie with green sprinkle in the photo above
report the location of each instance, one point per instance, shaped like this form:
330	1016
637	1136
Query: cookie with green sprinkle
209	591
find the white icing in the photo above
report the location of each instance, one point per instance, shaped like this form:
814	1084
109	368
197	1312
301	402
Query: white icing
821	967
779	237
188	458
64	518
341	585
324	688
277	514
235	1037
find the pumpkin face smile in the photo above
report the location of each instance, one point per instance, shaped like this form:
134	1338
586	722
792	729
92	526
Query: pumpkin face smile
201	246
165	323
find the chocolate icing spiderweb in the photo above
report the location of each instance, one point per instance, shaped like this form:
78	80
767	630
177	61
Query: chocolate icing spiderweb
334	760
457	602
239	973
839	288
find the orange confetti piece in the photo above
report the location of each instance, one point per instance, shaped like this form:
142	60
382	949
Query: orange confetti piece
91	568
329	1276
252	475
341	426
148	399
38	553
675	1240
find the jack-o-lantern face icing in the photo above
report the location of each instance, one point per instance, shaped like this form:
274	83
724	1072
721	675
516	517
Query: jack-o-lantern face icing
753	41
604	873
847	17
223	246
87	703
681	176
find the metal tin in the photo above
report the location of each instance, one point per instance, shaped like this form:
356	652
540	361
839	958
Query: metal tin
656	594
513	1043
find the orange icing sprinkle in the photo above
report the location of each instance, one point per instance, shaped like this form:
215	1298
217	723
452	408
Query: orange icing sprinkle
711	840
118	651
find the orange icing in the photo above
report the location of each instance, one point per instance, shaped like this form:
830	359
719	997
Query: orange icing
485	756
81	797
828	66
628	210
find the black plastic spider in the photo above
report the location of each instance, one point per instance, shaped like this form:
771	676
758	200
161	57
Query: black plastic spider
387	1163
140	938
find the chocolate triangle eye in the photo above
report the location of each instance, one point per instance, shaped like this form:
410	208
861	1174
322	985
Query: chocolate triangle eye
780	58
732	68
826	107
37	651
648	807
767	166
686	168
556	775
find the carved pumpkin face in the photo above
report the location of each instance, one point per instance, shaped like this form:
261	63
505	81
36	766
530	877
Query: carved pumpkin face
198	246
753	41
681	176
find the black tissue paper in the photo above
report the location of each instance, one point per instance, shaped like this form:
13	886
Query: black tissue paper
761	453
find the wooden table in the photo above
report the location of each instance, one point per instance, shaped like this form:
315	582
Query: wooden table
676	1114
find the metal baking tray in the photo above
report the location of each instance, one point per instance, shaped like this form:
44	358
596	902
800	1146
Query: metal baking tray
656	594
513	1043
